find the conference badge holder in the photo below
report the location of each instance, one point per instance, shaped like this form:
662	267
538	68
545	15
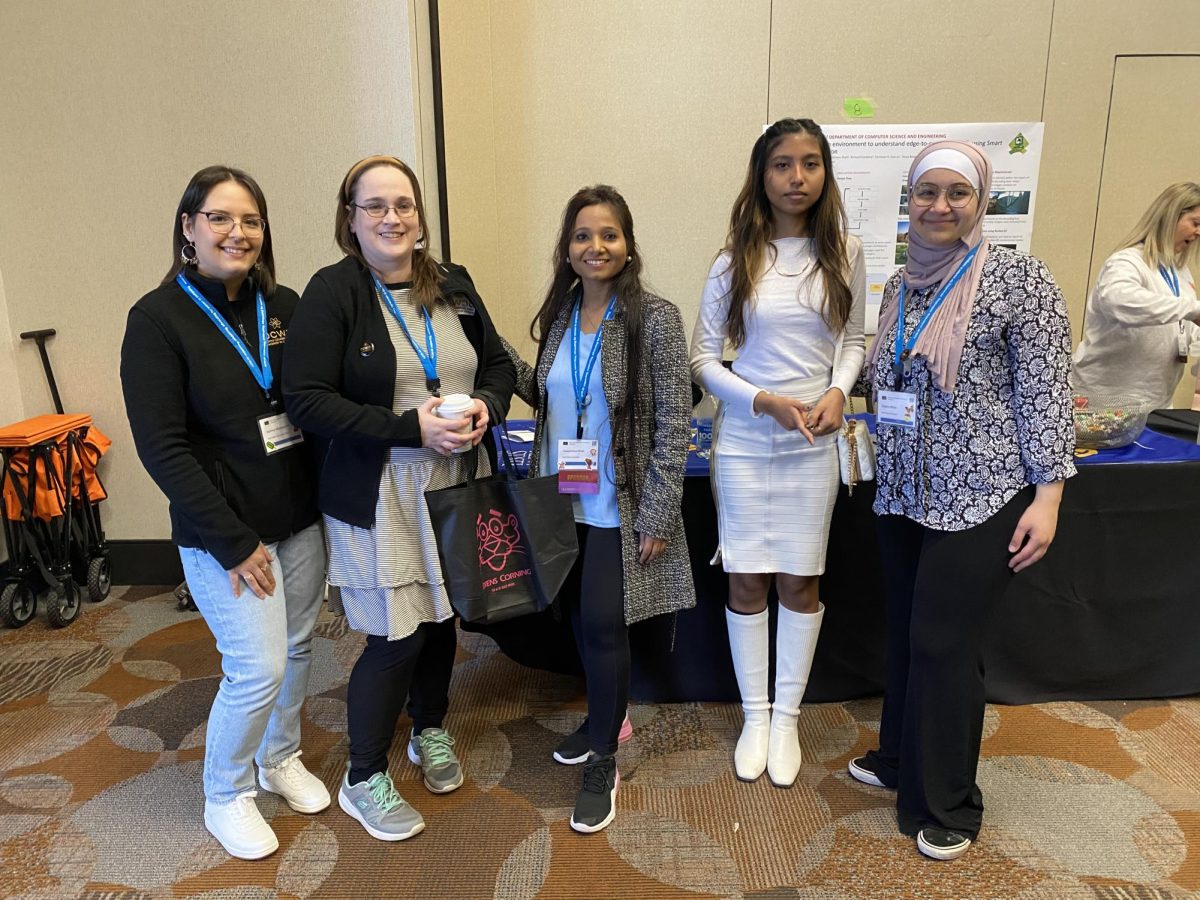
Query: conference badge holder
578	467
278	433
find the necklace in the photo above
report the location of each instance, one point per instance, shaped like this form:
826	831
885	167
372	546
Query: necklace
804	262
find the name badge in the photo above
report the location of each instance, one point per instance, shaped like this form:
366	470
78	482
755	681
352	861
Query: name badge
278	433
897	408
578	467
1182	346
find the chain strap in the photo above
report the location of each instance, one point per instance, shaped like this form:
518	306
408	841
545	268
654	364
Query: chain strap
853	470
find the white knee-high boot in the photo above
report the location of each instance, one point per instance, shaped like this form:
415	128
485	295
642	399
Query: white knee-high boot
795	644
750	646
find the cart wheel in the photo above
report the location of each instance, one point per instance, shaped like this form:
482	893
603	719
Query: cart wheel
99	579
18	603
64	603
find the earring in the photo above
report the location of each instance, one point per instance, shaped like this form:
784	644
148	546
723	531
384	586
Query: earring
629	258
186	257
258	266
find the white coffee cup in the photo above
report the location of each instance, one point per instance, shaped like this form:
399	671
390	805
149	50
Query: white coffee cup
455	406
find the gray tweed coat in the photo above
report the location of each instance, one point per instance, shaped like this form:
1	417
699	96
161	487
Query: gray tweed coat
663	420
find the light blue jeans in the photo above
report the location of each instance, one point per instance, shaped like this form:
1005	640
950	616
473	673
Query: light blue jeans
266	648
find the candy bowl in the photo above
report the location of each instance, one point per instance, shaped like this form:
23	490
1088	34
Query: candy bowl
1105	422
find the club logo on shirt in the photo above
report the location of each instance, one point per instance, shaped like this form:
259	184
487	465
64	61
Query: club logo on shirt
462	306
276	333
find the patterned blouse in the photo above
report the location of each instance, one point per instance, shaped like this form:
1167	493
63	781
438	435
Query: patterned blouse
1008	422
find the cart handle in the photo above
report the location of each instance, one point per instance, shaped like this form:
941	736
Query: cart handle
39	337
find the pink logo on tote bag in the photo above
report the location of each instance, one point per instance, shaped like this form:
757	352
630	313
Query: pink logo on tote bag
499	538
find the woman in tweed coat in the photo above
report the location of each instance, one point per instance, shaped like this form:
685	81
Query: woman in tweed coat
612	379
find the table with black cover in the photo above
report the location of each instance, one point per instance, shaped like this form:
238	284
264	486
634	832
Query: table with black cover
1112	611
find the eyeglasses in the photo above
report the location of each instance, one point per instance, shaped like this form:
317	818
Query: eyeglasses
405	209
925	194
222	223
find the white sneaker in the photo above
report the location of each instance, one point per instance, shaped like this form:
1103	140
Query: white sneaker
303	791
240	827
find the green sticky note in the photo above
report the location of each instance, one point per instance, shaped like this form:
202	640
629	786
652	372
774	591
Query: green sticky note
858	108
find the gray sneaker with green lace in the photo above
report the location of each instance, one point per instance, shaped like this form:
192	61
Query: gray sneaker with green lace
379	809
431	750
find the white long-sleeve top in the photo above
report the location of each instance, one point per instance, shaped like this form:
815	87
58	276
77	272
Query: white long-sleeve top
1130	346
786	336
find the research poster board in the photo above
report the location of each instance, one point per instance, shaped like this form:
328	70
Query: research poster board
871	165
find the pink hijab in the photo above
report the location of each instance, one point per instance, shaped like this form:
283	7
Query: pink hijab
941	343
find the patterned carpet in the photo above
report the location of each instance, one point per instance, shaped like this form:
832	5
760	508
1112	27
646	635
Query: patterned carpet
101	737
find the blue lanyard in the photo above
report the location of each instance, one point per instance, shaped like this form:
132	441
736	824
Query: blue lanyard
428	356
1170	277
262	369
904	348
581	380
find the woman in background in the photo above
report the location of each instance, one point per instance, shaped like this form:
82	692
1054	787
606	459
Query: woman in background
378	338
788	293
200	371
1141	319
611	383
969	371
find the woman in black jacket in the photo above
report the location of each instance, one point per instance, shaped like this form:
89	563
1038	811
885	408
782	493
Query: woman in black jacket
199	369
378	340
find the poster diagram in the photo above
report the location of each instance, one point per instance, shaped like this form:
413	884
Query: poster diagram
871	164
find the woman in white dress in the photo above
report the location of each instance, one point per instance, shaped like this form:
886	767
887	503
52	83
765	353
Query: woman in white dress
787	293
1140	323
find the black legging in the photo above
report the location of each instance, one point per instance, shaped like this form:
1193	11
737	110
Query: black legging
418	668
941	588
594	599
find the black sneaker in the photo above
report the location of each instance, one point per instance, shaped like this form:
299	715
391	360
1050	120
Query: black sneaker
941	843
575	747
863	769
596	803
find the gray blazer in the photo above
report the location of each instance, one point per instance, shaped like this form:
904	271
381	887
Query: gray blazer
663	420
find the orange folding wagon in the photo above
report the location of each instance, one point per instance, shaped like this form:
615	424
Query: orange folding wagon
49	509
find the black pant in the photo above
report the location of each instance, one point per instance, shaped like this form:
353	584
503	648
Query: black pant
593	598
941	588
418	668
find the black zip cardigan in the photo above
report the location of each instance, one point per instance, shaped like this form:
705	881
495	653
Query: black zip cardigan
193	410
340	379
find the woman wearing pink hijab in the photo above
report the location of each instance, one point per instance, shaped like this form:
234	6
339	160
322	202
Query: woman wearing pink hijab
969	372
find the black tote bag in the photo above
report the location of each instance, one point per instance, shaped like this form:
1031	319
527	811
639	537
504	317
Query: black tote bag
506	543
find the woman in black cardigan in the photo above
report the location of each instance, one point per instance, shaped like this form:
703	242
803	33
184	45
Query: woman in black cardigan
376	342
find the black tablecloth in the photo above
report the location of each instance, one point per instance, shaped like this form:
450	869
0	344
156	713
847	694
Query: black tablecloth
1112	611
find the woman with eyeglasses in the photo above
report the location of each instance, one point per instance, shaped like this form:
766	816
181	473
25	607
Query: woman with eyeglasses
788	293
1141	320
200	368
969	372
379	339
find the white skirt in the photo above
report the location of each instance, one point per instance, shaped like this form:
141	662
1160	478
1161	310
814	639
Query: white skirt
774	491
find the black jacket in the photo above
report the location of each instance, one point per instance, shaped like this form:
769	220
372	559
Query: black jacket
193	409
337	391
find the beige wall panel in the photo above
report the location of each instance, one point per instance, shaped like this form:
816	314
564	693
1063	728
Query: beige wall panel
1149	146
662	100
107	110
469	120
986	61
1088	35
12	407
